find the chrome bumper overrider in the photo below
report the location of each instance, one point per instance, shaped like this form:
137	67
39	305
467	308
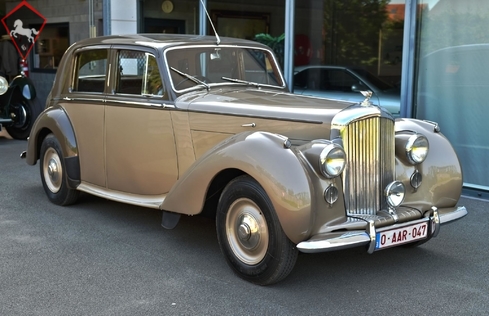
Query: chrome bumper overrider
347	239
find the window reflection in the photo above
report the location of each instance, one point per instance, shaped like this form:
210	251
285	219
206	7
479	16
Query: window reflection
50	46
344	47
452	79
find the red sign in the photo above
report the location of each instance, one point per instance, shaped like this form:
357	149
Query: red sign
24	24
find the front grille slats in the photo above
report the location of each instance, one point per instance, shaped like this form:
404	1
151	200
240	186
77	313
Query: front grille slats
369	147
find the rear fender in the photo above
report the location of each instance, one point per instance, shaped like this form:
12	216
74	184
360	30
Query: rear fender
55	121
264	157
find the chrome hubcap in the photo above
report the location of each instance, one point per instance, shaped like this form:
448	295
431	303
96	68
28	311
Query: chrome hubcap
247	231
52	170
20	118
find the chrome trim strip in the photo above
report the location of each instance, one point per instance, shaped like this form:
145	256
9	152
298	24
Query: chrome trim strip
460	212
334	241
140	104
255	116
150	201
84	99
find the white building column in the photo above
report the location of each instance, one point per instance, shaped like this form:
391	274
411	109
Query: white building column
121	17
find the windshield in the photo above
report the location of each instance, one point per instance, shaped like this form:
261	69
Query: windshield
209	65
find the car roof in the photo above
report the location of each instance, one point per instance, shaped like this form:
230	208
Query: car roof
163	40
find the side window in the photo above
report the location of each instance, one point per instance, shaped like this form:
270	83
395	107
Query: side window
340	80
152	83
138	74
91	71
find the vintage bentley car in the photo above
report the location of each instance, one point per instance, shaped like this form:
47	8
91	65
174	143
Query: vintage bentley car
201	125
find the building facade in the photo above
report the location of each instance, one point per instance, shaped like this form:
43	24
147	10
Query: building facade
432	51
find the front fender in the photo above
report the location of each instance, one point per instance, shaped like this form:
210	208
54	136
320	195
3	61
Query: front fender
441	171
56	121
262	156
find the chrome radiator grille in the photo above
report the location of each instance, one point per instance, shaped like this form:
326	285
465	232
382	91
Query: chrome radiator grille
370	148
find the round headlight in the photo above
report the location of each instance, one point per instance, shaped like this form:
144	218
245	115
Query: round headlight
417	149
3	85
332	161
394	193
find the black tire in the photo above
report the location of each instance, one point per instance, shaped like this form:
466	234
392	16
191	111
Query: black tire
250	235
53	177
25	112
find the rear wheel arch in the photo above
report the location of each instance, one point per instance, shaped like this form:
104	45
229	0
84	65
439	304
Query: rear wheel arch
53	121
56	122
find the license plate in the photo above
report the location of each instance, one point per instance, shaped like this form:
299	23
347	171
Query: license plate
401	236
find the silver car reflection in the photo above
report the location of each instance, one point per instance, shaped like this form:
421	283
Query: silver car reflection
345	83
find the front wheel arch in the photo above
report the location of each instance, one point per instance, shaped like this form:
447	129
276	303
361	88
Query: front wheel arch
250	235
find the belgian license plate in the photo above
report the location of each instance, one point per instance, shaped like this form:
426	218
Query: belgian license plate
401	236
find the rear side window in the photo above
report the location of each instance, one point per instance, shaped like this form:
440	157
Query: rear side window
91	71
138	74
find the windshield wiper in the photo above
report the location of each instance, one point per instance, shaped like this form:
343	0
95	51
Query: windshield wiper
191	78
249	83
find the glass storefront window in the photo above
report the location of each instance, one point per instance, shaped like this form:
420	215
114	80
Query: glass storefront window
343	47
50	47
452	78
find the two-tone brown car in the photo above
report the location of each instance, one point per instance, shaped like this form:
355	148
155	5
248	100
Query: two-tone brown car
200	125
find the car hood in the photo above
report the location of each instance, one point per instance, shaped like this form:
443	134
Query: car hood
254	102
231	111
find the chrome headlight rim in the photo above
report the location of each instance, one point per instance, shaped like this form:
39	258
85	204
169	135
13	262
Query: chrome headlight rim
332	161
3	85
417	148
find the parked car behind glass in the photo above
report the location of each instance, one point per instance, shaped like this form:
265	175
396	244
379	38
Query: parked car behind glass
190	125
345	83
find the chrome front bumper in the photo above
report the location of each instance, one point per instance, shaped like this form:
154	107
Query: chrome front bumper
342	240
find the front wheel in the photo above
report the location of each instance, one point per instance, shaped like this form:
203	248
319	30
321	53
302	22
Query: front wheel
23	112
53	174
250	235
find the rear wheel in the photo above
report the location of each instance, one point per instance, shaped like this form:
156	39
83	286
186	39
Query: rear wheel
250	235
23	112
53	174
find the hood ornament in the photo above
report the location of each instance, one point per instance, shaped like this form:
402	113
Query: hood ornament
367	94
